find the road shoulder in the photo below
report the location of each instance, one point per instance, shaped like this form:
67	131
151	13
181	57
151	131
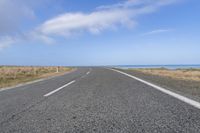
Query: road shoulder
190	89
36	81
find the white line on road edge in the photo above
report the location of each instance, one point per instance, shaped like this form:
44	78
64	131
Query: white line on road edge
175	95
35	81
52	92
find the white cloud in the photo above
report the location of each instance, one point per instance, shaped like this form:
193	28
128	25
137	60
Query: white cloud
34	36
12	13
157	31
94	22
105	17
6	41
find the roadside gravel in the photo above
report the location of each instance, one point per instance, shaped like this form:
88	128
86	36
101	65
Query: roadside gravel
187	88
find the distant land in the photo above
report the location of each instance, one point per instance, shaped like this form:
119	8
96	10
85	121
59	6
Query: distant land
160	66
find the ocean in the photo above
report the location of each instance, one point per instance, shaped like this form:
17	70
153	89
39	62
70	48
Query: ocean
160	66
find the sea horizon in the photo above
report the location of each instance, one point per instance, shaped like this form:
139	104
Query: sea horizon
171	66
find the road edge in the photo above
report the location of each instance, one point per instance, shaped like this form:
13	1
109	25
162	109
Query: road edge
34	81
161	89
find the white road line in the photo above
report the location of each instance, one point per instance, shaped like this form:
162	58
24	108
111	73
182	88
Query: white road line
35	81
175	95
56	90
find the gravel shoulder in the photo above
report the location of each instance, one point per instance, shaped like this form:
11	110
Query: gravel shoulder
187	88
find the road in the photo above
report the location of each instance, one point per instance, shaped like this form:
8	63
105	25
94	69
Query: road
94	100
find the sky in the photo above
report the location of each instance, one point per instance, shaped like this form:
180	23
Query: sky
94	32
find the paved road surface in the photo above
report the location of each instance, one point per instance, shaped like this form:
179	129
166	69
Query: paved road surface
94	100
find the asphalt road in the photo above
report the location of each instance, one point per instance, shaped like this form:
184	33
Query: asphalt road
94	100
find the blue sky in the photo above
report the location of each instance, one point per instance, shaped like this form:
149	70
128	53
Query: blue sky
106	32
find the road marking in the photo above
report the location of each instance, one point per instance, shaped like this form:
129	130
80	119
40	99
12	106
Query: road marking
24	85
56	90
88	72
175	95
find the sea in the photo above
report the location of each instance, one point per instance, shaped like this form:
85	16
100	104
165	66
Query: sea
197	66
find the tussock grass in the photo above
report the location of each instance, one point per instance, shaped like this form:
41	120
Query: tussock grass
13	75
183	74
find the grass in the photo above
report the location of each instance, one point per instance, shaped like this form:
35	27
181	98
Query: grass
183	81
13	75
183	74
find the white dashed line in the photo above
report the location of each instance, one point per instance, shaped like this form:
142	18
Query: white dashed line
56	90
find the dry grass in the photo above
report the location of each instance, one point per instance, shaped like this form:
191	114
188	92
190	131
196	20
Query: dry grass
183	74
12	75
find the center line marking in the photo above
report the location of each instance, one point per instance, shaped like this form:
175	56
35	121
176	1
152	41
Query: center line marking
56	90
88	72
175	95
